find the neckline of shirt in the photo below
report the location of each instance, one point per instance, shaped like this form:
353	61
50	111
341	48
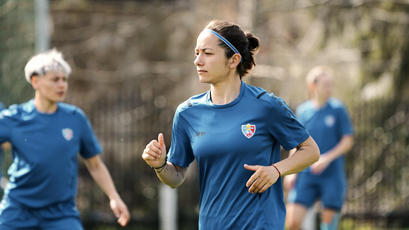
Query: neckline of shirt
324	106
43	114
234	102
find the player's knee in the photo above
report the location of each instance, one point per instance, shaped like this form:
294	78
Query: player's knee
294	224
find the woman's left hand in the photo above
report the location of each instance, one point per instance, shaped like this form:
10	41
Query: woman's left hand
120	211
262	179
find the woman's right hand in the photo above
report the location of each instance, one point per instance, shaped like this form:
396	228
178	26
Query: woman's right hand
154	153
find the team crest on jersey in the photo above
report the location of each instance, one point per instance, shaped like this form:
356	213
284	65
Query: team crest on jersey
248	130
329	120
68	134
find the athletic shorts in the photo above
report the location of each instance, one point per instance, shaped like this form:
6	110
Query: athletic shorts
330	190
16	217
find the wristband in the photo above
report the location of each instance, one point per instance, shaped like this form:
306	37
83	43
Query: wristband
163	165
279	173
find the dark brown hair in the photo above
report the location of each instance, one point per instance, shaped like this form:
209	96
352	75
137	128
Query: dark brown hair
245	42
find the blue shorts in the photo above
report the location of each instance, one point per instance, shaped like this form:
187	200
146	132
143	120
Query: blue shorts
17	217
329	189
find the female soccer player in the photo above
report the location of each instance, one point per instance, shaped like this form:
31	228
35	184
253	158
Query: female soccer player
46	136
328	122
234	131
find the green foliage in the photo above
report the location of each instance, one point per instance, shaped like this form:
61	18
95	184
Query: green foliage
16	46
350	224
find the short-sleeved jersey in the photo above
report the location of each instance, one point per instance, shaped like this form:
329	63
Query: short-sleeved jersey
327	125
222	138
45	150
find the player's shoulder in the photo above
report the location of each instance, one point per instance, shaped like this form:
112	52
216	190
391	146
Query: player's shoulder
264	97
70	109
17	110
335	103
192	102
11	111
255	91
304	106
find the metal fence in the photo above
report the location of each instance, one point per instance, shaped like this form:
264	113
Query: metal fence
377	166
125	123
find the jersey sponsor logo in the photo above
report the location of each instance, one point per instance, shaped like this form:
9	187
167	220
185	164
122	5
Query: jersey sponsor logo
248	130
329	120
200	134
67	133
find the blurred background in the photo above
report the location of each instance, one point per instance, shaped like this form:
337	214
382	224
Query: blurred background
133	64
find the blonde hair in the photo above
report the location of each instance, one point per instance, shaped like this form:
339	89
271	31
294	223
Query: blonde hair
313	76
316	72
42	63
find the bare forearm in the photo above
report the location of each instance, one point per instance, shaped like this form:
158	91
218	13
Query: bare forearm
344	145
306	154
103	178
171	175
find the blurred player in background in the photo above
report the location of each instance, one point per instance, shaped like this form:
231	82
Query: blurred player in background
328	122
234	131
46	136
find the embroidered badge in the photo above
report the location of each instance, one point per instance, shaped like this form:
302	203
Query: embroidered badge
248	130
67	133
329	120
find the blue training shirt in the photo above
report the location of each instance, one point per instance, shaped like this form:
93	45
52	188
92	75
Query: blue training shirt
222	138
327	125
45	149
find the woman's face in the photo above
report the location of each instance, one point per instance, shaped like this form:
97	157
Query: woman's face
324	86
211	62
51	87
